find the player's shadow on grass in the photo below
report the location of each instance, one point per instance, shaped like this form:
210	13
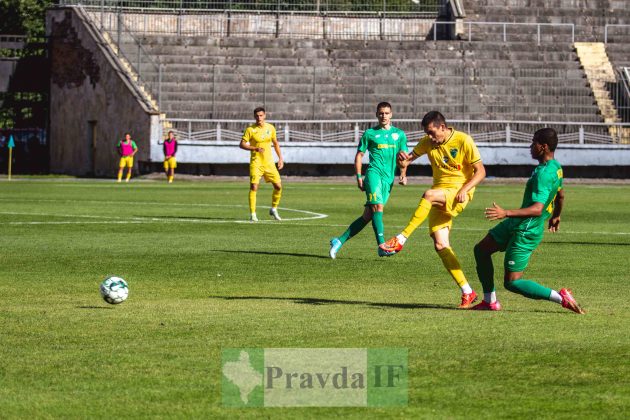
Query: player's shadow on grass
94	307
274	253
589	243
317	301
187	217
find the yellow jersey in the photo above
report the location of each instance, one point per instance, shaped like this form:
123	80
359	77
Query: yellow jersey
451	161
260	137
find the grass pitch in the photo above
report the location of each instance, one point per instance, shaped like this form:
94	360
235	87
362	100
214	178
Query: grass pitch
202	280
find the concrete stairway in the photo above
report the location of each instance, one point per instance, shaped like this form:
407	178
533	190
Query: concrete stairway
598	71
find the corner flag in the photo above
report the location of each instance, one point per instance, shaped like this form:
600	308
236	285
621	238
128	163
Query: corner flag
10	145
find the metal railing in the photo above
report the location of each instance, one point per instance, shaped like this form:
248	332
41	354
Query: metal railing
518	33
622	99
146	72
348	131
615	27
267	24
285	6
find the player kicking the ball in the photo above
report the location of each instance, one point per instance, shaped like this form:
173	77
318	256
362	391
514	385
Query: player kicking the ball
457	170
522	230
383	143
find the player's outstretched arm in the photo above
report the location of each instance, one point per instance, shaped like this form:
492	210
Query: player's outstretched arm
496	212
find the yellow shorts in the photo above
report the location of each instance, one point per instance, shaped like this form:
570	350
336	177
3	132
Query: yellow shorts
442	217
170	163
126	161
269	172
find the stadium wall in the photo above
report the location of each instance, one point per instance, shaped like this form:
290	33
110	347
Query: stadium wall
610	161
91	101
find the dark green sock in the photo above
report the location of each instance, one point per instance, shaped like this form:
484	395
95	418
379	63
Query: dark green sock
354	228
377	224
529	289
485	269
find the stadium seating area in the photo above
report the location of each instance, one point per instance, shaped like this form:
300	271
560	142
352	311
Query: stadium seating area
495	72
589	16
324	79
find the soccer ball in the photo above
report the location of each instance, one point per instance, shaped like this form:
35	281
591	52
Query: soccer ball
114	290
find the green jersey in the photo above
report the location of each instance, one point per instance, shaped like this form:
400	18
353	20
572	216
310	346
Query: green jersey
383	146
541	187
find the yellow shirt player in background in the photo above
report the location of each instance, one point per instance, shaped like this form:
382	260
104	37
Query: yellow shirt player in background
457	169
258	139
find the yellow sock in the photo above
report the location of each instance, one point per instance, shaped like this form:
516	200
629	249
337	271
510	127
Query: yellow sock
170	178
119	176
452	265
421	213
128	175
275	197
252	201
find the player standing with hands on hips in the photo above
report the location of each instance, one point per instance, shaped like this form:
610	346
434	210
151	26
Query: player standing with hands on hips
126	149
258	139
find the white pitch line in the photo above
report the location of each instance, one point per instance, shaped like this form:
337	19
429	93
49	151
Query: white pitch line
314	215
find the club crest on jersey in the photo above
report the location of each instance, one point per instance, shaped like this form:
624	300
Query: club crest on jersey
395	136
453	153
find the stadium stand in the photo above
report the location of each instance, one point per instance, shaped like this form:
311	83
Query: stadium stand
329	79
515	62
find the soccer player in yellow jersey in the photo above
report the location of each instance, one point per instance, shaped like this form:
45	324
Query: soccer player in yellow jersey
457	170
258	139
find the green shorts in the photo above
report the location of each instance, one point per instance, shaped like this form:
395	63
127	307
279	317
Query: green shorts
518	245
377	189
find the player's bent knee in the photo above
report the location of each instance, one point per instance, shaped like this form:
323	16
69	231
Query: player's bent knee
507	283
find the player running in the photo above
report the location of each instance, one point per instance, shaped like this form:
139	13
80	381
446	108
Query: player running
522	230
170	162
126	149
383	143
258	139
457	170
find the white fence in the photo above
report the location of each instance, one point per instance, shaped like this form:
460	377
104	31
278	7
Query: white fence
344	131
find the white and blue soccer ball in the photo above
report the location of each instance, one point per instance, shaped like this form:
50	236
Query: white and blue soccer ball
114	290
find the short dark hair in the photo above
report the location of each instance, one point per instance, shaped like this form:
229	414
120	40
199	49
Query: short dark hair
127	134
259	109
383	105
433	117
547	136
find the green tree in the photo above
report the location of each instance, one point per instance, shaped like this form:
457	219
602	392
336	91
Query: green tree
23	17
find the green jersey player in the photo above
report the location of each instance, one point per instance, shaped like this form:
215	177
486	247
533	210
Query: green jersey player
522	230
383	143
